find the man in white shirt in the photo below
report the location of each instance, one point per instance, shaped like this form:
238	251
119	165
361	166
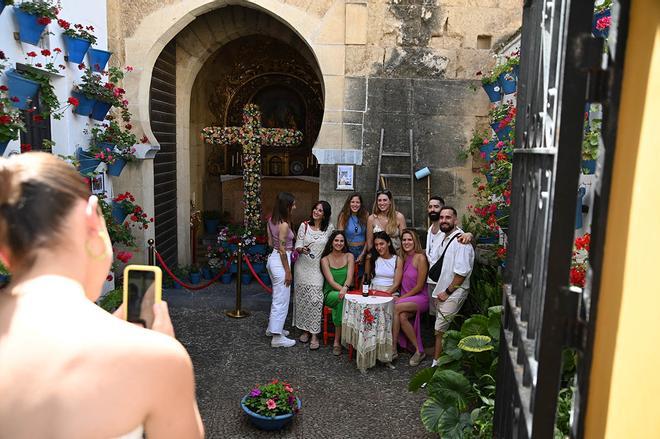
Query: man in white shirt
453	284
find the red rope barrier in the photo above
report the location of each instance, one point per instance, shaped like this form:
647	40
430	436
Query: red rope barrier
256	276
185	285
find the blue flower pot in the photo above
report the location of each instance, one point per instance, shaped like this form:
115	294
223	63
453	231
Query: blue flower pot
22	88
600	33
257	249
85	104
488	148
265	278
269	423
516	72
494	91
116	167
246	278
488	239
582	191
502	134
118	213
211	225
588	167
3	147
2	6
87	161
259	267
206	272
195	278
508	82
76	48
29	29
233	268
100	110
226	278
98	59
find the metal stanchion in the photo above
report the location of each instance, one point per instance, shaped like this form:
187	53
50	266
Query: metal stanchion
238	313
151	249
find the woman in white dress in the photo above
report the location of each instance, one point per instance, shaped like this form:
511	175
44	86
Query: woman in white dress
386	270
69	369
308	278
385	218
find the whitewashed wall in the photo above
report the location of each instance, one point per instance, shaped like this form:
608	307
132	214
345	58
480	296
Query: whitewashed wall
67	133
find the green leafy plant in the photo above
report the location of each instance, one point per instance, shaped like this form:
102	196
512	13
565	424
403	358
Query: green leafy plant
10	117
590	143
111	300
46	10
77	31
122	138
607	4
3	270
272	399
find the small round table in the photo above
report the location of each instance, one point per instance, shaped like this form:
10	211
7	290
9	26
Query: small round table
367	326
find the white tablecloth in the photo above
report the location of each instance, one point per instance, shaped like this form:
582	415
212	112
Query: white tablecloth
367	326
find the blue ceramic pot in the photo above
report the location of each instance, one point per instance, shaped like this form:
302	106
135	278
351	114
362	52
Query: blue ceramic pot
85	104
118	213
488	239
268	423
257	249
233	268
206	272
508	82
195	278
246	278
502	134
87	161
76	48
98	59
488	149
3	147
494	91
600	33
588	167
226	278
116	167
211	225
100	110
582	191
22	88
29	29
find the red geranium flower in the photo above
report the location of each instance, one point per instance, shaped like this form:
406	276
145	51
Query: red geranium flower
45	52
73	101
32	54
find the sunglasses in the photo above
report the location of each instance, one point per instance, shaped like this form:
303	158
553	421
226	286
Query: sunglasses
388	193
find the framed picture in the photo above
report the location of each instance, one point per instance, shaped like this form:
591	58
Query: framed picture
98	184
345	177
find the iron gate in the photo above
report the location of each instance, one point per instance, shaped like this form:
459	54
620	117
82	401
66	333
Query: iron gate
562	69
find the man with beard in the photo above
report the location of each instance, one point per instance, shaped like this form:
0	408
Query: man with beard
454	262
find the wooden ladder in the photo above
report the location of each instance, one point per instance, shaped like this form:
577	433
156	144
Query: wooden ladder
382	180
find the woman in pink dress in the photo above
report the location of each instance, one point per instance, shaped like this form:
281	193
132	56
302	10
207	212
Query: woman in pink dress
414	299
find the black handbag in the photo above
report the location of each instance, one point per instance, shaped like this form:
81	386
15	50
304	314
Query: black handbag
436	270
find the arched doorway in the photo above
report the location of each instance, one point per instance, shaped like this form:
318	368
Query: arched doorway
273	68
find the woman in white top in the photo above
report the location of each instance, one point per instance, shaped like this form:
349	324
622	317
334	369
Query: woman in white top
386	270
69	369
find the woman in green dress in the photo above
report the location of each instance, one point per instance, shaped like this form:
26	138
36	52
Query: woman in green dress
337	265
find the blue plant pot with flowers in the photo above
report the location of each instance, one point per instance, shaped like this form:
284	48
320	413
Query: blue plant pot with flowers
488	149
100	110
502	134
508	82
488	239
602	33
206	272
29	28
116	167
23	89
98	59
233	268
269	423
3	146
85	104
118	213
76	48
195	278
87	161
493	90
588	167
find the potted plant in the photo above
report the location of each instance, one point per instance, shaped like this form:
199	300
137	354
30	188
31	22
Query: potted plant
97	97
271	406
195	274
602	19
33	16
77	40
129	208
10	117
502	117
590	143
98	59
211	221
258	261
115	144
4	3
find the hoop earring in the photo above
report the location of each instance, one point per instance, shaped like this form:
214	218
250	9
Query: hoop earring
104	252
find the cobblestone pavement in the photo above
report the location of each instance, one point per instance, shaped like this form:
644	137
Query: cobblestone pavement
231	355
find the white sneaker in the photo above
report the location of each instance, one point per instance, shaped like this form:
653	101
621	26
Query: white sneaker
435	363
280	341
270	334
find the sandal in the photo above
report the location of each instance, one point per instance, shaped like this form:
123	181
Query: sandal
313	345
304	337
336	350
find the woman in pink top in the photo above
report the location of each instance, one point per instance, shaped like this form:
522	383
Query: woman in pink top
280	237
413	300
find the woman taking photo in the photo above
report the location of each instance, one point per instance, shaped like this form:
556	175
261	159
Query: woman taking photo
337	265
385	218
70	369
414	300
308	304
353	221
280	237
386	269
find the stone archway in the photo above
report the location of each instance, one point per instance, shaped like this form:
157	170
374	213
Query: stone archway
197	39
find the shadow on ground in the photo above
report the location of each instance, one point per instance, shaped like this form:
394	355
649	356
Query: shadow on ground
232	355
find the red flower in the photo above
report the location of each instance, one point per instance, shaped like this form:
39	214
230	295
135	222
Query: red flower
37	118
134	218
73	101
109	278
3	88
501	252
44	21
45	52
129	126
603	23
577	276
124	256
26	147
5	119
81	66
32	54
144	139
57	50
63	24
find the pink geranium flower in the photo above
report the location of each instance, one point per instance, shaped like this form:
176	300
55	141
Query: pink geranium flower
271	404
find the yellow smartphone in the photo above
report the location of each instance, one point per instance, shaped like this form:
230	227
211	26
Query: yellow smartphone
143	286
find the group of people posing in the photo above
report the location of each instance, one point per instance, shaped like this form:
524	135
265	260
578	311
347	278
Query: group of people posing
323	263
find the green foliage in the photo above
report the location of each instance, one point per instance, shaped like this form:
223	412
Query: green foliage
564	404
111	300
272	399
590	143
40	8
3	269
450	388
475	343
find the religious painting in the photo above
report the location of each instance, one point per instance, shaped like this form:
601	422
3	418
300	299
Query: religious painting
97	184
345	176
280	107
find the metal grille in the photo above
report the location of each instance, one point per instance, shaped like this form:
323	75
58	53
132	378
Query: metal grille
162	110
560	72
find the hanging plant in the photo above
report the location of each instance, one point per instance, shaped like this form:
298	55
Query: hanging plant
10	117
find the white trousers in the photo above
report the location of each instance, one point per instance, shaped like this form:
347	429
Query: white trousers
279	307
